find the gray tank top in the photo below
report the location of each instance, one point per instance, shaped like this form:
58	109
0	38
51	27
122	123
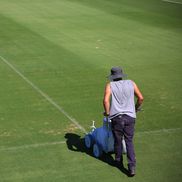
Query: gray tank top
122	98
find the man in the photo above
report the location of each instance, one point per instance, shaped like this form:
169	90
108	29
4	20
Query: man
120	107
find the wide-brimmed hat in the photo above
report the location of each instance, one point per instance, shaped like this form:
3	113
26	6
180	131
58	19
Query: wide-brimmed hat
116	73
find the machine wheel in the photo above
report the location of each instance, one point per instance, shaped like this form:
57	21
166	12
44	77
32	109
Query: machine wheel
88	141
97	150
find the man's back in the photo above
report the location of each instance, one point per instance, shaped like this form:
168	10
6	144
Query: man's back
122	98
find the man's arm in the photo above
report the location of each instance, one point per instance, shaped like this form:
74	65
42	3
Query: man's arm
106	100
139	96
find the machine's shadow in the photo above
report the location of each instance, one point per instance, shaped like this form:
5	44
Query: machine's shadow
76	143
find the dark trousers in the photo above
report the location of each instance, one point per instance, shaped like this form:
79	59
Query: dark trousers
123	125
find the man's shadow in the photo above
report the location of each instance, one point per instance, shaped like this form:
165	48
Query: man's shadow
76	143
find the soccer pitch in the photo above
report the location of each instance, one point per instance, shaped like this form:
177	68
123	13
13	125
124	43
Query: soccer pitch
54	60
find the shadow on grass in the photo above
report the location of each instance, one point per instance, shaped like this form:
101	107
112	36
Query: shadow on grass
76	143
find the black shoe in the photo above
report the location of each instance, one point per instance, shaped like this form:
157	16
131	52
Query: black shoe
119	164
131	171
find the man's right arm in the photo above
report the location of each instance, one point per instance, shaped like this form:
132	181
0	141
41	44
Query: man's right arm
139	96
106	100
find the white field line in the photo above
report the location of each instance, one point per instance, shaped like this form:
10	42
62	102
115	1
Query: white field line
170	1
37	145
49	99
158	132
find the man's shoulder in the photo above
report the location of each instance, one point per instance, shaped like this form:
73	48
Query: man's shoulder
128	81
108	84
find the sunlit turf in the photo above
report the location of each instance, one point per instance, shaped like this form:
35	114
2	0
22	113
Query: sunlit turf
66	49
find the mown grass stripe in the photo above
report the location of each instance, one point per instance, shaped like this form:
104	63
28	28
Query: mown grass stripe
49	99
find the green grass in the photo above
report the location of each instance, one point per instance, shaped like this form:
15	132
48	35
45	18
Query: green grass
66	48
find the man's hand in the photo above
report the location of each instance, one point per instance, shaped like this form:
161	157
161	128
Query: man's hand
139	96
137	109
105	114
